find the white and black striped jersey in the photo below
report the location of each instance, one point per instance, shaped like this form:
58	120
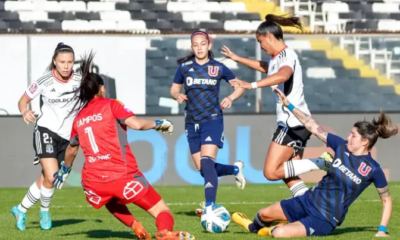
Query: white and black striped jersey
54	106
293	87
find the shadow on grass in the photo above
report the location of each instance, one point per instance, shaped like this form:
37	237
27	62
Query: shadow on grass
66	222
188	213
344	230
103	234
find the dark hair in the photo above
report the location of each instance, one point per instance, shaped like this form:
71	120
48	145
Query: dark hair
90	84
192	55
382	127
61	48
273	22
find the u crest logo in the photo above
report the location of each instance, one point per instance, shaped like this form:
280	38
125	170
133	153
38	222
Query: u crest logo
213	71
364	169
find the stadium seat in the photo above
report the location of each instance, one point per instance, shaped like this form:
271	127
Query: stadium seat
77	6
32	16
76	25
131	25
46	6
3	26
100	6
15	6
115	16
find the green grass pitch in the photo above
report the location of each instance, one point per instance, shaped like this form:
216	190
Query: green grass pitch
74	219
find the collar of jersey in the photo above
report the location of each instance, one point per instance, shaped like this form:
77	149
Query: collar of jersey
279	52
61	80
367	155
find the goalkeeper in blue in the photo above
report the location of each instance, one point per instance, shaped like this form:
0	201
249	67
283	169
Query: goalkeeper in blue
324	207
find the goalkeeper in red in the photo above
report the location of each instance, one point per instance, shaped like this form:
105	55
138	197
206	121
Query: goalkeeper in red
110	175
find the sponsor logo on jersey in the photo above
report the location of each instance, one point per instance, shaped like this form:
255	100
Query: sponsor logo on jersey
60	100
33	88
338	164
93	159
213	71
93	118
200	81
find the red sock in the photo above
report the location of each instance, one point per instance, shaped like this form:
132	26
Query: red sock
165	220
121	212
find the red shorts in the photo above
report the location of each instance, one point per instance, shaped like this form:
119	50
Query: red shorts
131	189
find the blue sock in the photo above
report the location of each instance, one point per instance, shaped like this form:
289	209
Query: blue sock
224	170
210	179
258	224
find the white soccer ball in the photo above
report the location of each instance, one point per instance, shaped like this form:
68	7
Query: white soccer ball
215	219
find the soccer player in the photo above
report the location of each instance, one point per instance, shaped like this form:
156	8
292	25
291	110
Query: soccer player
52	129
324	207
110	175
284	71
201	75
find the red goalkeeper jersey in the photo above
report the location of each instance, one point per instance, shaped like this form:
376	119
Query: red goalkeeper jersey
100	130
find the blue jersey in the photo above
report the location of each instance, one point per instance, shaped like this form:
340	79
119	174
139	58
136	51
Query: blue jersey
201	83
347	178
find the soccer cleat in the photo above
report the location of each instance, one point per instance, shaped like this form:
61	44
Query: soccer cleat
242	220
239	177
45	220
328	158
177	235
20	217
199	211
140	231
267	231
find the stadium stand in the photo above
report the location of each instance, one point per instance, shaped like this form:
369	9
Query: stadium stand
337	64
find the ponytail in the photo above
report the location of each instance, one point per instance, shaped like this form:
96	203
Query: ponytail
273	22
381	127
90	84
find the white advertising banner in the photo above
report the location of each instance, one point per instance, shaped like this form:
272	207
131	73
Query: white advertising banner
13	68
122	58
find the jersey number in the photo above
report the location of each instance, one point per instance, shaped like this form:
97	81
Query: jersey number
89	132
47	139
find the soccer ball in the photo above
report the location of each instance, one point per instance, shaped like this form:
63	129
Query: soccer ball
215	219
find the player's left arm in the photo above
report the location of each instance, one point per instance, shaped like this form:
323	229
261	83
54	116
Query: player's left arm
383	191
60	177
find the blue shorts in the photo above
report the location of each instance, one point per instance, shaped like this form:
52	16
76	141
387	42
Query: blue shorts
211	132
303	210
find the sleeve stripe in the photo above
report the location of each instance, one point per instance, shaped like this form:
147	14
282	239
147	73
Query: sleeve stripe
26	95
44	79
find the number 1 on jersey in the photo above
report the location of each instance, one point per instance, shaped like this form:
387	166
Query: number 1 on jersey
89	132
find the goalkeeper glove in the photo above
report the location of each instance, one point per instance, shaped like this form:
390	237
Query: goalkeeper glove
164	125
61	175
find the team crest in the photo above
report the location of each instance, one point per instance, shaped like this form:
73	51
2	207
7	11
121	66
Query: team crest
49	148
213	71
33	88
364	169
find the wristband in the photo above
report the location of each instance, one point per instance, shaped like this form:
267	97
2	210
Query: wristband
290	107
382	228
254	85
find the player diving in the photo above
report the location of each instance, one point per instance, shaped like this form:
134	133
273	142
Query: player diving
324	207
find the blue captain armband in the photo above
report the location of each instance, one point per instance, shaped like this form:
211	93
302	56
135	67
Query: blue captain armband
290	107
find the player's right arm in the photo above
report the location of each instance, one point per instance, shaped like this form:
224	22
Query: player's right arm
30	93
260	66
126	117
383	191
176	87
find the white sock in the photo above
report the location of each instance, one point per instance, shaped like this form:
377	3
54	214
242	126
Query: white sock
45	198
298	189
294	168
30	199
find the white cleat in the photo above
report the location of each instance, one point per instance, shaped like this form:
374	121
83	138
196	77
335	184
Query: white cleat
240	180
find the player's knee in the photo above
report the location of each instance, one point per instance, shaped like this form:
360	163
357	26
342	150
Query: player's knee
271	175
263	214
49	180
279	232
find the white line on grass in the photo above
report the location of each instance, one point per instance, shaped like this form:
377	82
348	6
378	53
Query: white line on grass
197	203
